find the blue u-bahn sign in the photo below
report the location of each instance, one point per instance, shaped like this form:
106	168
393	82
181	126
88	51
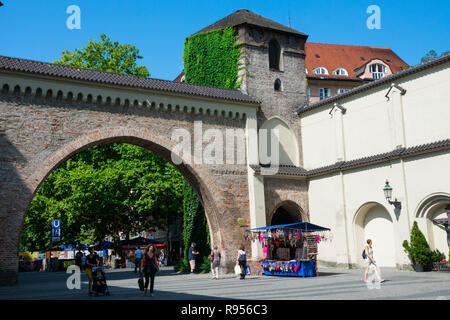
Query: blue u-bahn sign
56	230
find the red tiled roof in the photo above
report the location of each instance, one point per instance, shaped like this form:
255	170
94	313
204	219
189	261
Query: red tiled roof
333	56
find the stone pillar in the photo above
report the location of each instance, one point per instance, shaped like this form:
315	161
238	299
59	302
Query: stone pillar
255	183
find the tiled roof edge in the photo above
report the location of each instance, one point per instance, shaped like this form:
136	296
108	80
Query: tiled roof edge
376	83
366	161
82	74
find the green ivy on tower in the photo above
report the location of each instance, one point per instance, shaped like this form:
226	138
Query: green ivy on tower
213	59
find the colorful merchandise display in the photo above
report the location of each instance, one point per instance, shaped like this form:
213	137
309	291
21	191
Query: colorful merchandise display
290	249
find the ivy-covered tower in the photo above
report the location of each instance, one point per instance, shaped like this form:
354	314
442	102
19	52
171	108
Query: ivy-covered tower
266	60
271	69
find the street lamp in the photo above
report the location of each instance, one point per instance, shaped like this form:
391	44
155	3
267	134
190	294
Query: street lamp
388	194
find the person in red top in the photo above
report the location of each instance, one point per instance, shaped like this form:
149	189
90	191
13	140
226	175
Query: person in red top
149	267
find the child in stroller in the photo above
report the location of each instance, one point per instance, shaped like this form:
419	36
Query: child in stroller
99	284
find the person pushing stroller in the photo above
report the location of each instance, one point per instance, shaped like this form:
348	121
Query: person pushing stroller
99	285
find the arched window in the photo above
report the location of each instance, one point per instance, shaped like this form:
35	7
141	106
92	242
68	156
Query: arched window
340	72
274	54
277	85
320	70
377	70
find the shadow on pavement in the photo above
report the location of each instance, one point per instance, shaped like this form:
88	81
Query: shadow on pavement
326	274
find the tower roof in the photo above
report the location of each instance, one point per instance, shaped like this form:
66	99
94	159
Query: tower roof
244	16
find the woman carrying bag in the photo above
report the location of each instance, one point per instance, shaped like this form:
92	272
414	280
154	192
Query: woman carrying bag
242	260
149	267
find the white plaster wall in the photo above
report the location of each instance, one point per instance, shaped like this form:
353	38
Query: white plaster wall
366	126
427	175
365	185
424	175
426	106
373	124
318	144
326	208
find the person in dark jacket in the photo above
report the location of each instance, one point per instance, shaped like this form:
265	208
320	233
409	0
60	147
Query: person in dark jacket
149	267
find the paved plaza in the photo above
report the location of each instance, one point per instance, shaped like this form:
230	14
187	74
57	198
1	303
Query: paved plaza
332	284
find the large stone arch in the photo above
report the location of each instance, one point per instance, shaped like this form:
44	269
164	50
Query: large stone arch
372	220
195	175
199	178
434	206
41	133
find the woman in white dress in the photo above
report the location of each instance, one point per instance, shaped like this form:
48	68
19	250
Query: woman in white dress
371	263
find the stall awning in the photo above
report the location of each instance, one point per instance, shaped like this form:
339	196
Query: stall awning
301	226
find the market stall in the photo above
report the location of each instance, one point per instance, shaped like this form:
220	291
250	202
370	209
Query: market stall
290	249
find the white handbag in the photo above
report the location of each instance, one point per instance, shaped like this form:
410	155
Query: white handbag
237	269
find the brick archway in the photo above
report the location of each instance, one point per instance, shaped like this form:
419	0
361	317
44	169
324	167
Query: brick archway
38	134
200	178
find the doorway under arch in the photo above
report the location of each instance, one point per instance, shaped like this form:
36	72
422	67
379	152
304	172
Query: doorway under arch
285	213
433	209
373	221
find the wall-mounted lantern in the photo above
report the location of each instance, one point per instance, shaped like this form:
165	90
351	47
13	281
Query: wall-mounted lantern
388	194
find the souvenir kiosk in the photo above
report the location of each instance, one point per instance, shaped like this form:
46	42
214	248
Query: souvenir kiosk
290	249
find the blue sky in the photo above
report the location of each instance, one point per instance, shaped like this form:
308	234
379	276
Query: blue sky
37	30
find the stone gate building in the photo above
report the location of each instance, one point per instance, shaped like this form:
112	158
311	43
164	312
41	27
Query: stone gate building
50	112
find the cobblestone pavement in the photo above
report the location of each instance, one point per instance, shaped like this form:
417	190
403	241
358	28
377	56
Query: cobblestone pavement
331	284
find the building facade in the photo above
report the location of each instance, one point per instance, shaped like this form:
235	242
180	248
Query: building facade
333	69
393	129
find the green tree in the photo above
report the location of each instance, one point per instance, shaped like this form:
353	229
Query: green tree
432	54
102	191
105	189
418	249
106	55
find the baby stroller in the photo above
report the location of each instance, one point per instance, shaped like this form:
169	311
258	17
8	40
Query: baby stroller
99	285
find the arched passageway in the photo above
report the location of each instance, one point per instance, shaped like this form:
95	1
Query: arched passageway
432	215
286	212
374	222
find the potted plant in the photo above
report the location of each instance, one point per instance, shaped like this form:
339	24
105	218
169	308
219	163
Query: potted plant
418	249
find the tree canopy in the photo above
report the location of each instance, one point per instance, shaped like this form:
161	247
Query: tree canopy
102	191
432	54
106	55
105	189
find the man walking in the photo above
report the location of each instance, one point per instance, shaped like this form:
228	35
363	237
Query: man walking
79	259
105	256
138	259
191	256
215	262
